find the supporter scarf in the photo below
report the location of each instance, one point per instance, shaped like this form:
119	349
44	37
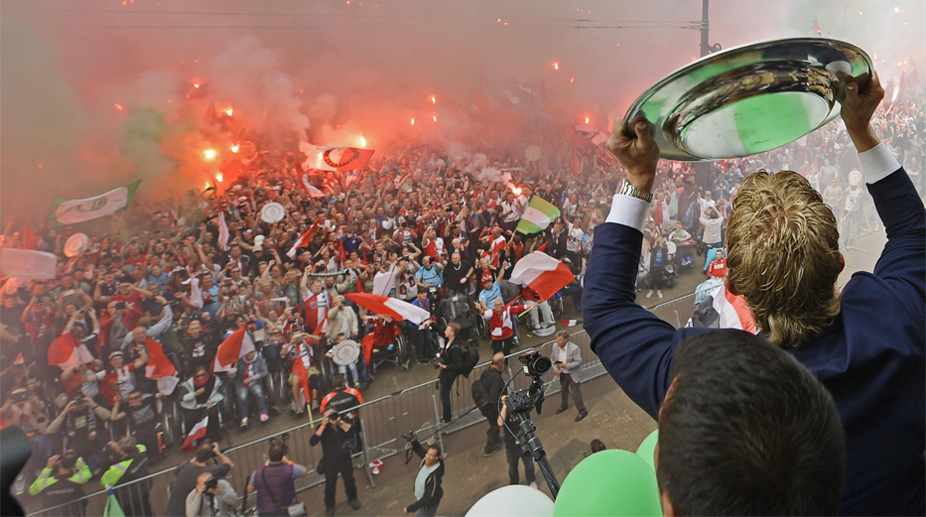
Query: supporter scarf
209	384
91	424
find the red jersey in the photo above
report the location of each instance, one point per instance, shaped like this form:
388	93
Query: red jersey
718	268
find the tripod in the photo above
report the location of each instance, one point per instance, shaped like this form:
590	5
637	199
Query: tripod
530	442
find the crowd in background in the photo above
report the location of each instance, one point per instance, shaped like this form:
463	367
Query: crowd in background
435	221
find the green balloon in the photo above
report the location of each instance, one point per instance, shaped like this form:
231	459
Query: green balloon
647	449
609	483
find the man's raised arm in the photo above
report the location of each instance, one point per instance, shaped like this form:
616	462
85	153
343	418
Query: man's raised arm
634	345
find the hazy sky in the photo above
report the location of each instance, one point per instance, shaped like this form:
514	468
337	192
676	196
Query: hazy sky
336	68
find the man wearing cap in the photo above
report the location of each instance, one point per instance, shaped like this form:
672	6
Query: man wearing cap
121	379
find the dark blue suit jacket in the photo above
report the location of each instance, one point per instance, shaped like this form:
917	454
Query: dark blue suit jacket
871	359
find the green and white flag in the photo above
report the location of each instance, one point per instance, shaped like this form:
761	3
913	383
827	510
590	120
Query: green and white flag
79	210
537	216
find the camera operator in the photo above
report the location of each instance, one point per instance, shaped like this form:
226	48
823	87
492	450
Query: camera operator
513	448
189	472
202	500
334	435
82	421
274	481
428	488
451	363
60	482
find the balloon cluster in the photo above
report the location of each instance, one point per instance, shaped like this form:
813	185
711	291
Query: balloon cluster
610	482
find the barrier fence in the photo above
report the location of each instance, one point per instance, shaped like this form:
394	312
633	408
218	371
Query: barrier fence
382	422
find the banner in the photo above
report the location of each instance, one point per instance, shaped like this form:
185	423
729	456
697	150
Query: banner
79	210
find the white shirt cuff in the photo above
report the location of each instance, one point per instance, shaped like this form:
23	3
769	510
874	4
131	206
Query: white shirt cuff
628	211
877	163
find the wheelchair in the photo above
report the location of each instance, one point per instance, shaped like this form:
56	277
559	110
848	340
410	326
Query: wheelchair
459	309
398	352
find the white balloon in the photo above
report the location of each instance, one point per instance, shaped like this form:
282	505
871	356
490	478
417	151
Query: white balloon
513	501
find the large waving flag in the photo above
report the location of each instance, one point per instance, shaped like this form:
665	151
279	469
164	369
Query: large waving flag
537	216
339	159
391	307
314	192
160	368
198	432
235	346
67	352
542	273
79	210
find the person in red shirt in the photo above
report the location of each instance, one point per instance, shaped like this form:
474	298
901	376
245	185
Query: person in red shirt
131	296
718	268
501	325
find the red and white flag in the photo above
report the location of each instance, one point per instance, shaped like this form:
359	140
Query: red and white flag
314	192
569	323
390	307
67	352
235	346
198	432
542	273
160	368
339	159
304	239
28	264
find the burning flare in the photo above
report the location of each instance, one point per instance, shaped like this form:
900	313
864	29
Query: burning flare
229	111
435	118
586	120
363	141
413	121
515	190
234	148
195	85
433	100
555	66
209	154
219	177
118	106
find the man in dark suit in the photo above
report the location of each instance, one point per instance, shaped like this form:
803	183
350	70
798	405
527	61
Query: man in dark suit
866	344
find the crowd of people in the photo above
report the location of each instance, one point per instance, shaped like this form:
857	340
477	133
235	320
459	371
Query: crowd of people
170	280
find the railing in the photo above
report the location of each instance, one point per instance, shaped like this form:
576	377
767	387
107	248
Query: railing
382	423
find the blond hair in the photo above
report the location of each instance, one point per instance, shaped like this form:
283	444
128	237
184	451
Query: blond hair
783	256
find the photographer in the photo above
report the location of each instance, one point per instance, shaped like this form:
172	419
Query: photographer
428	488
82	421
451	363
513	448
487	390
188	474
274	481
334	435
60	482
202	500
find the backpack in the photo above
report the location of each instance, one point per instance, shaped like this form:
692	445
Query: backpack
480	395
470	359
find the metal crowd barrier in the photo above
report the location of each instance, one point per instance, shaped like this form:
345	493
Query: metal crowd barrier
382	423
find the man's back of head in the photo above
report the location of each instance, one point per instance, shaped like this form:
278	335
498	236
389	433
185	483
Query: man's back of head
783	256
745	429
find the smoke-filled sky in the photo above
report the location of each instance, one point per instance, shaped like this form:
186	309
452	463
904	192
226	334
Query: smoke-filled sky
93	93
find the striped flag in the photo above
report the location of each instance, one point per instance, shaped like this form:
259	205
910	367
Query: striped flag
305	238
569	323
537	216
198	432
542	273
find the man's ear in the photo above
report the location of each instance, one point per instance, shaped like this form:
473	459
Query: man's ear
667	509
842	262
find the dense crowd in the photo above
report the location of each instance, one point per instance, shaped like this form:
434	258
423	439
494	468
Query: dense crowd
432	227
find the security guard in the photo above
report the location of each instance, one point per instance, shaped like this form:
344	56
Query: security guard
60	482
131	465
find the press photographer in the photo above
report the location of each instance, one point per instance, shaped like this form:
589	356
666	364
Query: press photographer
274	481
212	497
334	435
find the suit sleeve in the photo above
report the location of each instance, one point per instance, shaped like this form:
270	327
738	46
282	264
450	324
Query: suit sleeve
901	264
634	345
